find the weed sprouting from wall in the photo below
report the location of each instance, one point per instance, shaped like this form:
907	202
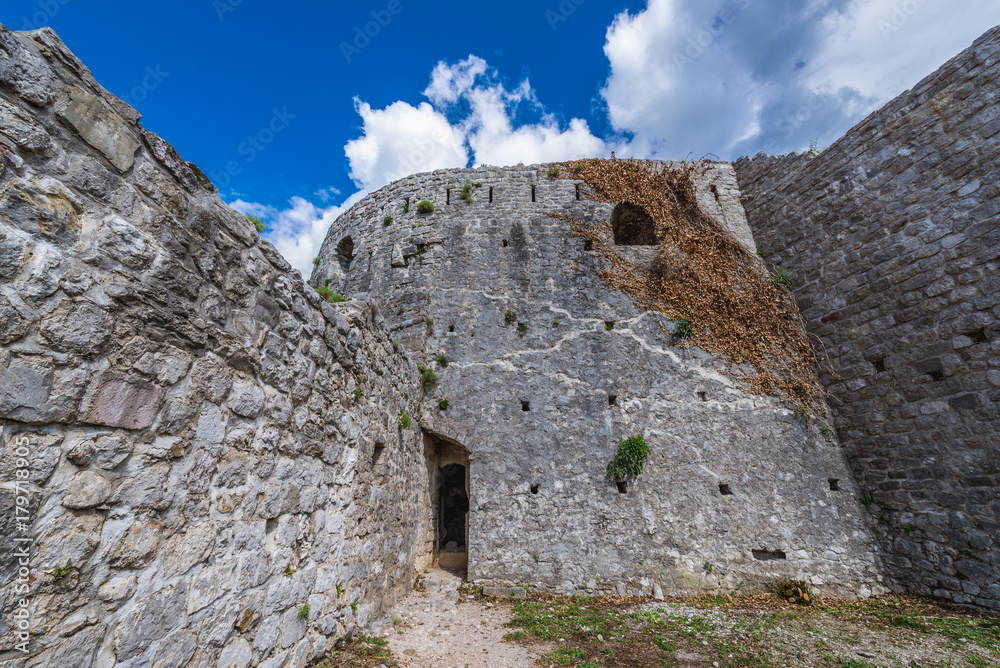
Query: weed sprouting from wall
701	275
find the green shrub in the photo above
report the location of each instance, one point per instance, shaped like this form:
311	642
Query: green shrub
867	500
59	572
629	459
429	379
683	329
510	317
257	222
467	192
443	404
425	206
555	323
387	221
359	394
907	528
406	207
522	329
289	571
405	420
430	325
443	360
609	325
396	345
316	261
554	171
329	295
303	612
781	277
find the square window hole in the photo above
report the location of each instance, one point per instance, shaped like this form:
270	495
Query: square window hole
534	489
978	336
703	396
768	555
588	245
377	454
525	406
612	399
879	365
936	375
622	487
834	484
725	490
504	243
451	328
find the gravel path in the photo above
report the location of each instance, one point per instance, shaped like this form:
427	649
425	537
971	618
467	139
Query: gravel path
432	629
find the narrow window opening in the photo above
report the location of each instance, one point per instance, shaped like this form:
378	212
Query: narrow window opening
834	484
588	245
504	243
612	399
725	490
577	191
451	329
879	365
491	194
978	336
622	487
377	454
533	193
936	375
703	396
534	489
768	555
448	196
715	192
526	406
453	505
345	253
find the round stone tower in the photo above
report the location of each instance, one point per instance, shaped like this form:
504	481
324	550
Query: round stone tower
542	368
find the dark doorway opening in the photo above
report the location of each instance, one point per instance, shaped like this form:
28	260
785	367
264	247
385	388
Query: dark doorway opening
448	468
453	502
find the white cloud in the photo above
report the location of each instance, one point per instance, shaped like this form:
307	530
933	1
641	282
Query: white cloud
732	77
298	231
401	140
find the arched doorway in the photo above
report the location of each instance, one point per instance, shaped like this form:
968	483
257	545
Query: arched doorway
448	472
633	226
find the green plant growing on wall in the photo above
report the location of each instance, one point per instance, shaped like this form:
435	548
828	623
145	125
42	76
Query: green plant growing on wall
442	359
683	329
316	261
826	431
907	528
554	172
257	222
467	192
329	295
428	378
443	404
781	277
629	458
289	571
396	345
359	394
59	572
387	221
425	206
340	591
709	567
303	612
405	420
430	325
867	500
522	329
609	325
406	207
510	317
354	606
555	322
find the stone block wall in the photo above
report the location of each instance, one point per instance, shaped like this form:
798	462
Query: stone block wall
892	236
195	447
737	492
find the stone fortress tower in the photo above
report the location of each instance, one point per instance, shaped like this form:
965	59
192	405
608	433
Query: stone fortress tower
206	463
548	367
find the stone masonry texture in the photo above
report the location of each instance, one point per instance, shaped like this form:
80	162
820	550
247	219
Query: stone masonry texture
547	368
892	236
194	443
196	446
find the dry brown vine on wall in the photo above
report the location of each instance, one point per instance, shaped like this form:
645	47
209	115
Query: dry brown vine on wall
702	275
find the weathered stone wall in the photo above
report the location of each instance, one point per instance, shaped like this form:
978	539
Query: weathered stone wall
737	492
178	410
892	236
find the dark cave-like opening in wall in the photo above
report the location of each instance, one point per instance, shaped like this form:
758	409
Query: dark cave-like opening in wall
632	226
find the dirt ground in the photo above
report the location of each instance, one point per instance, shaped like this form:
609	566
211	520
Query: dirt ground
439	626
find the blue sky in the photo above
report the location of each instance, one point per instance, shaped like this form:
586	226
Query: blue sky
297	109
